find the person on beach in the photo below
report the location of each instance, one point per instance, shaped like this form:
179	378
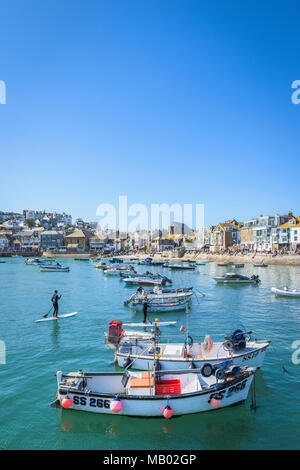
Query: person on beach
55	298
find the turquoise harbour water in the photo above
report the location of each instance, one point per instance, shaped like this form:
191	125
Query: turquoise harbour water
35	351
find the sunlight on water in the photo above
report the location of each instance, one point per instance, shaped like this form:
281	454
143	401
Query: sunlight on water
35	351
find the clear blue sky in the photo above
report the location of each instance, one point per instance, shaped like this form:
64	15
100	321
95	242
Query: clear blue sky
163	101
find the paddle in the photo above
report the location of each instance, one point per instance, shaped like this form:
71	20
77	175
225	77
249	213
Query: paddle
45	316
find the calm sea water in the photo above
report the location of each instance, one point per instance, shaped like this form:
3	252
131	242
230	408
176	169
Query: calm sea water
35	351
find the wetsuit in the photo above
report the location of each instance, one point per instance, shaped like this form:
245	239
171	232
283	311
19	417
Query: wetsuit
55	299
145	308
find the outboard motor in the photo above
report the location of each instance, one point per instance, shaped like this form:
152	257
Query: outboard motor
255	278
238	339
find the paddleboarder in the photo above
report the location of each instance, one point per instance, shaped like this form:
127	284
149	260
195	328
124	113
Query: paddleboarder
55	298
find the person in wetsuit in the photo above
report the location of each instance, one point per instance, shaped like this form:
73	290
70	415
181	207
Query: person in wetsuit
55	298
145	308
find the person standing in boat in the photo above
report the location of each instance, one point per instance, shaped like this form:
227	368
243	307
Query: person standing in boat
55	298
145	309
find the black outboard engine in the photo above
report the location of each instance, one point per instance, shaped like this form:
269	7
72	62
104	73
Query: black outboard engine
238	339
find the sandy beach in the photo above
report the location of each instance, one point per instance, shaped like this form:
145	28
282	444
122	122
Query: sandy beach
251	258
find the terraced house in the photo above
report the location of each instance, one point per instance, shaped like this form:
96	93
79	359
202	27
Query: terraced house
225	235
263	230
287	235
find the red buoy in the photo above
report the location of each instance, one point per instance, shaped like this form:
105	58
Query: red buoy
215	403
116	405
168	412
66	402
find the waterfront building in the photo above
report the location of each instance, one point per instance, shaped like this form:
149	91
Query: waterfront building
51	240
287	235
78	240
262	230
29	240
203	237
225	235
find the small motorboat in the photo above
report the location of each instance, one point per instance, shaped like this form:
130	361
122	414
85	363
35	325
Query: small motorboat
144	281
222	264
153	393
81	259
286	292
116	270
233	278
101	265
159	305
34	261
238	265
192	352
180	266
145	261
54	269
260	265
161	295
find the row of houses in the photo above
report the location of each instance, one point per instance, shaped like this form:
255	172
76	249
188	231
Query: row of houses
264	233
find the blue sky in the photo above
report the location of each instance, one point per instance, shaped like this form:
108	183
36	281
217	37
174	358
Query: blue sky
162	101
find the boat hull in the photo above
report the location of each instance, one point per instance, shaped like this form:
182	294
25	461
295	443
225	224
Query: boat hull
286	293
248	358
153	406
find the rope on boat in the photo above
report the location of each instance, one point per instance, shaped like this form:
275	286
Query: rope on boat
132	362
253	394
281	363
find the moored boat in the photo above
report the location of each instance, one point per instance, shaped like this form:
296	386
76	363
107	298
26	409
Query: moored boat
233	278
152	394
180	266
286	292
144	281
158	294
237	349
159	305
54	269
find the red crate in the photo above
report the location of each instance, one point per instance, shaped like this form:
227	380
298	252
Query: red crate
168	387
115	332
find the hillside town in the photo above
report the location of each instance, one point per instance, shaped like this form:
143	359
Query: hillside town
32	233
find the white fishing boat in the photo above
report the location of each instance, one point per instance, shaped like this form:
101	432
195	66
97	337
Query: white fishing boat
233	278
161	294
54	269
115	332
144	281
152	394
286	292
180	266
238	349
101	265
159	305
116	270
33	261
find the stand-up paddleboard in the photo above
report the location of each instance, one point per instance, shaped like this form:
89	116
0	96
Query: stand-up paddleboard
59	317
159	323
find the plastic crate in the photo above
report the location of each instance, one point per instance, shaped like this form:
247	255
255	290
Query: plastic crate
168	387
115	332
